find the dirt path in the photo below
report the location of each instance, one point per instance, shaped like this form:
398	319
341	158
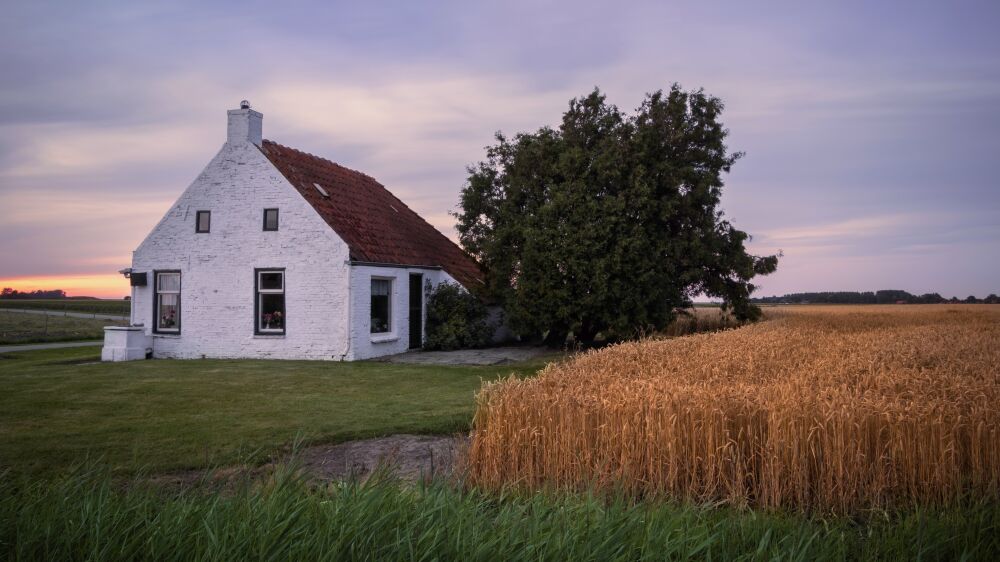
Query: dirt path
409	457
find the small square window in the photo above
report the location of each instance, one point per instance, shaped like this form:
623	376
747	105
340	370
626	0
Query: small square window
270	219
203	221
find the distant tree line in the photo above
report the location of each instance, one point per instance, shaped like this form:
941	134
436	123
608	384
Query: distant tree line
8	293
885	296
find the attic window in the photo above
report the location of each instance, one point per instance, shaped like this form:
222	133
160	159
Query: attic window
321	191
270	219
203	221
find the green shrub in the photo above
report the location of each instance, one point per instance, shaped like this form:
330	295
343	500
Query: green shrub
456	319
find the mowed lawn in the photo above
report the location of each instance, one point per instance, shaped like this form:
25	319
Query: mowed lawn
61	407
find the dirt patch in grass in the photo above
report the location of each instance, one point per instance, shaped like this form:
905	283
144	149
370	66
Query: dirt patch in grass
410	458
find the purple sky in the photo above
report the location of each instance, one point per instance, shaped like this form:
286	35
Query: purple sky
871	132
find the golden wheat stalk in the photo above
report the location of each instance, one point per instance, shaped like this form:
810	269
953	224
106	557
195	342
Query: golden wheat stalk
821	408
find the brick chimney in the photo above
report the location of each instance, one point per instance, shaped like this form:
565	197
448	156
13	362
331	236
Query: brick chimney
244	125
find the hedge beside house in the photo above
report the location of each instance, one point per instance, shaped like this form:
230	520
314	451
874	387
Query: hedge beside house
455	319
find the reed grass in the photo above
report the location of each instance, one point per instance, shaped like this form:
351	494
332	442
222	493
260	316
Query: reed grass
88	516
829	409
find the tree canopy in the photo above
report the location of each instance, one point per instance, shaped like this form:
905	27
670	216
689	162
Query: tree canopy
610	222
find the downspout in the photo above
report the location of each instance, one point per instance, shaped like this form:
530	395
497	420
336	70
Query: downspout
350	318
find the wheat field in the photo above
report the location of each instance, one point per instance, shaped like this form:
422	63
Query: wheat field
821	409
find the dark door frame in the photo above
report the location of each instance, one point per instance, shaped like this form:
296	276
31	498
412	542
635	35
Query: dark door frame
416	311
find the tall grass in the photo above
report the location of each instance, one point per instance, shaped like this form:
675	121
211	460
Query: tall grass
830	409
87	516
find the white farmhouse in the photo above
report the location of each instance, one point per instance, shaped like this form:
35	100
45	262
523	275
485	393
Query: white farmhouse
276	253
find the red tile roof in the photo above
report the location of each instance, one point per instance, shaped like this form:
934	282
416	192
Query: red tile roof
376	225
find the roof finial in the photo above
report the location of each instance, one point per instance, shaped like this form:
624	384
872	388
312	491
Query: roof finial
244	104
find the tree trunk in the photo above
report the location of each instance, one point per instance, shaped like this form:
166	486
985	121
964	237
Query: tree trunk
587	333
556	338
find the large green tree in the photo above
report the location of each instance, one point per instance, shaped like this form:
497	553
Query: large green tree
610	223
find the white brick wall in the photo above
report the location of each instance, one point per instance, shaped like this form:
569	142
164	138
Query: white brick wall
217	269
365	344
327	301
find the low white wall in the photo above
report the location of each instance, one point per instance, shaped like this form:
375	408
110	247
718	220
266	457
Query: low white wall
125	343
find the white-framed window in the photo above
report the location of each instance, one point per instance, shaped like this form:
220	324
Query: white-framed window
270	301
381	306
167	302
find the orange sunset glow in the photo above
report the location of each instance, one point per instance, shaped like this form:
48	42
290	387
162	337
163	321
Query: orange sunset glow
103	286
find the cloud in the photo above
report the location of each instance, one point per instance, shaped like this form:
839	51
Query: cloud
880	233
48	232
867	145
837	234
52	150
920	252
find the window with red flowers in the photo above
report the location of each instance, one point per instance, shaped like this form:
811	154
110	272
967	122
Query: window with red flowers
270	303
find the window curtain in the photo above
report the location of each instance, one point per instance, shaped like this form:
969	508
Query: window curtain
380	287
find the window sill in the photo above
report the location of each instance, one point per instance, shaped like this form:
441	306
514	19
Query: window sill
269	336
169	336
384	338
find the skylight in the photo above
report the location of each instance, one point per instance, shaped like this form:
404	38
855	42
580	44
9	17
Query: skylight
321	191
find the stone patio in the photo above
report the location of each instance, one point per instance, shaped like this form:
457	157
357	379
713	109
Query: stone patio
489	356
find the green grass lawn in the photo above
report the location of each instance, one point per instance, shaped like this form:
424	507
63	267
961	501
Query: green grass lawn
20	327
59	407
73	433
119	307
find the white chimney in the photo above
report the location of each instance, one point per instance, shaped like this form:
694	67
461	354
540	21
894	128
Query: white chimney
244	125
